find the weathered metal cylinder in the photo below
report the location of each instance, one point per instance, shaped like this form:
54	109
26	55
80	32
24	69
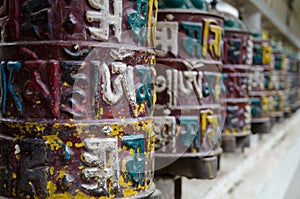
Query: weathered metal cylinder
237	59
292	83
187	113
278	81
261	97
77	99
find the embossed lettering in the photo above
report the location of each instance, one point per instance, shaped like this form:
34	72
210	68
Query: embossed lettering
136	166
3	8
74	99
209	128
36	87
6	164
34	173
236	83
124	80
144	91
249	60
234	46
184	82
257	54
105	19
232	117
214	84
279	61
192	43
103	165
165	133
275	81
266	54
137	20
215	46
38	18
256	109
256	79
167	38
189	132
7	85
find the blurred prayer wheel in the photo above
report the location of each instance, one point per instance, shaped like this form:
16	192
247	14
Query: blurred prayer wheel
188	84
261	97
237	59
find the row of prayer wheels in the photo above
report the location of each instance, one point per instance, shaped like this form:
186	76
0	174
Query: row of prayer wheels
98	95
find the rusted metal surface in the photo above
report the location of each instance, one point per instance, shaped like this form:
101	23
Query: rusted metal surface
188	112
77	99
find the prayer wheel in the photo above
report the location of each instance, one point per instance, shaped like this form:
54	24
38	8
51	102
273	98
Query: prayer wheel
77	99
188	118
238	53
261	97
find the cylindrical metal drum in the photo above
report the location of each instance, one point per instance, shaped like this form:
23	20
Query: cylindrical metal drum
261	100
77	99
238	48
293	83
276	82
187	114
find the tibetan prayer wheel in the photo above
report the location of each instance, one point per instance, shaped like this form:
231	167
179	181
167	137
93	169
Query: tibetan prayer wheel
292	83
77	99
238	48
188	84
278	82
261	95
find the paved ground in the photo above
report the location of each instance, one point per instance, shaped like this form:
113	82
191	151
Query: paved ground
293	191
268	170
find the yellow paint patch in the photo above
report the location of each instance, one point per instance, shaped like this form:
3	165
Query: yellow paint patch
69	144
14	192
150	21
14	175
142	108
51	170
136	126
52	188
226	131
54	141
58	125
131	152
129	192
121	180
81	195
147	126
34	125
116	130
79	145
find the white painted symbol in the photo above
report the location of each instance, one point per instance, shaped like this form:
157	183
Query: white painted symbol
123	82
105	19
103	163
167	38
165	133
